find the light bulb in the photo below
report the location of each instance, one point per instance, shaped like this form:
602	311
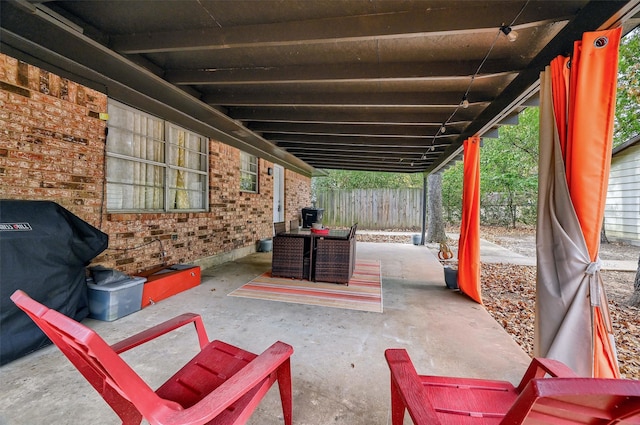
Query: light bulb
443	129
465	102
509	33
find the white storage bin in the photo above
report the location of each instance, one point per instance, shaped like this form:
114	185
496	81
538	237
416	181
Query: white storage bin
114	300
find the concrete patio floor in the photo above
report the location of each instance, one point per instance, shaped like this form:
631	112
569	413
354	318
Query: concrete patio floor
338	367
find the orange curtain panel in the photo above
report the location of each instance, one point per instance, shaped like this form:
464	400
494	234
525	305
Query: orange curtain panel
590	130
576	133
469	243
590	141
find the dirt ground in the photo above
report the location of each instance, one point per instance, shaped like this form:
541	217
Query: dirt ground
508	291
523	241
509	294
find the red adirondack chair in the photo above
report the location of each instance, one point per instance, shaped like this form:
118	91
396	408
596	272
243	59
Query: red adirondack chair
562	399
222	384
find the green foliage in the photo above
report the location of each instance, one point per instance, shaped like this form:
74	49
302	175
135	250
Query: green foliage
509	170
508	176
627	123
343	179
452	192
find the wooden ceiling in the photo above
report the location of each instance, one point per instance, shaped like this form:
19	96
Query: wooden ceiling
313	84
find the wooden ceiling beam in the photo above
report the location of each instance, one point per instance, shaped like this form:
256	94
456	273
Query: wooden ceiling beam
342	73
468	19
366	129
327	115
416	99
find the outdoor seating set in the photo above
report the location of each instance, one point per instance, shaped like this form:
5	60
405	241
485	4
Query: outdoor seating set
327	256
224	384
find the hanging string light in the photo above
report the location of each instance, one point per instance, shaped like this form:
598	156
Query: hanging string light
511	35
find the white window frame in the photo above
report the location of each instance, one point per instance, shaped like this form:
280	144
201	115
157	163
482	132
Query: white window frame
248	176
149	151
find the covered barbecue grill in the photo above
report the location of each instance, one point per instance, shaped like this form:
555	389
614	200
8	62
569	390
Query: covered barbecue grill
44	250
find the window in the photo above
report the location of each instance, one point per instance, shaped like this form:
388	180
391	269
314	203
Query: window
153	165
248	172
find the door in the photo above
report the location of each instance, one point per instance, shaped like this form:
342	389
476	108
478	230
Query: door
278	193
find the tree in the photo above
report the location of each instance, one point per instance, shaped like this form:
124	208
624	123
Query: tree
435	223
627	124
452	192
344	179
635	297
508	175
509	170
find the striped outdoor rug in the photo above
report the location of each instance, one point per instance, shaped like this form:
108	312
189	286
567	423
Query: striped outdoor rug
363	293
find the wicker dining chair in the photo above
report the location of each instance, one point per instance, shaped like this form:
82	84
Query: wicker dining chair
352	235
289	257
335	258
279	227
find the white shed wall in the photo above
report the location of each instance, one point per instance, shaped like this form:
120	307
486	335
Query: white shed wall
622	210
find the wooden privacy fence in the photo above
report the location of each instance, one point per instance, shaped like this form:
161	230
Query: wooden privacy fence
373	209
378	209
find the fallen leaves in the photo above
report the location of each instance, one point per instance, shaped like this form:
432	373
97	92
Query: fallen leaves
509	296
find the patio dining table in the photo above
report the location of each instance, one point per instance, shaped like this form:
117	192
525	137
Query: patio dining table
294	252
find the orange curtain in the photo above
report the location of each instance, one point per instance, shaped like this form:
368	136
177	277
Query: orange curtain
586	138
590	129
469	243
591	120
560	68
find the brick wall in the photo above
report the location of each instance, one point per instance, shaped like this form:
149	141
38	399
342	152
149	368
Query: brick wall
297	193
51	139
52	148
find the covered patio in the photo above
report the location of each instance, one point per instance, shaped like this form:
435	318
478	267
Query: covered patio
402	89
338	367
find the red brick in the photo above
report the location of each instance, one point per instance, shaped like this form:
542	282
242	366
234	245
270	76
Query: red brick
53	148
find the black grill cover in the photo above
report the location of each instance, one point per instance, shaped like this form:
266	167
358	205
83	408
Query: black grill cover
311	215
44	250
